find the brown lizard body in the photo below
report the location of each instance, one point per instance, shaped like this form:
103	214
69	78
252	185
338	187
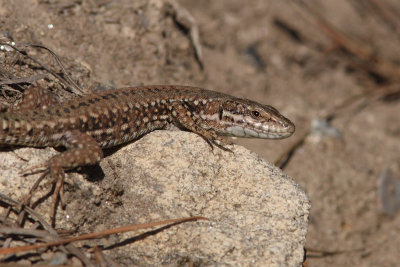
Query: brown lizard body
85	125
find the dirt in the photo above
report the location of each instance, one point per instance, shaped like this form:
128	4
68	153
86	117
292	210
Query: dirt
275	52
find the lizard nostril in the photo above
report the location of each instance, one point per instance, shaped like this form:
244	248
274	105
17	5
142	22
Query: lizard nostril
290	126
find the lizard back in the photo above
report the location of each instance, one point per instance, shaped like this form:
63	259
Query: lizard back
118	116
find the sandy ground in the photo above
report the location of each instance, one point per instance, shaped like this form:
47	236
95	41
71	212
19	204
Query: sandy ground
338	58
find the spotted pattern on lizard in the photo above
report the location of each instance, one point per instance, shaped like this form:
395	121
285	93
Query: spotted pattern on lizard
86	125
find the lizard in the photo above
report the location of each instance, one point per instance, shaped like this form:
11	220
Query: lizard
86	125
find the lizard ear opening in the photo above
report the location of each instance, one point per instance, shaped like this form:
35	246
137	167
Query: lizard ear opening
220	113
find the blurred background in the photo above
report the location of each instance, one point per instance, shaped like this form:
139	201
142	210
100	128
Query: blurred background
332	67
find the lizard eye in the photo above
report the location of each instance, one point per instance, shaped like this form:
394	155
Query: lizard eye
255	114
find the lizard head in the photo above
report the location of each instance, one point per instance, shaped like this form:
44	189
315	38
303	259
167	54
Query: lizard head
246	118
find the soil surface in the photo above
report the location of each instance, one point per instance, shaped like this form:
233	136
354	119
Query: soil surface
332	67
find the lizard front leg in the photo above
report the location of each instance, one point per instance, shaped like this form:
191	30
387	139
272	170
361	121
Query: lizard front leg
184	118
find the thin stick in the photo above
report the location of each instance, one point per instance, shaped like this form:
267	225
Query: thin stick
107	232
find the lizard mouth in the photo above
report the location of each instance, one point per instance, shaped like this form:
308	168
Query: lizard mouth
266	131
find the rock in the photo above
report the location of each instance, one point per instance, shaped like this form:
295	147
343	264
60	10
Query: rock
258	215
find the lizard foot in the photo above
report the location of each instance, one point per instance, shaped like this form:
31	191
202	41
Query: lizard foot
57	186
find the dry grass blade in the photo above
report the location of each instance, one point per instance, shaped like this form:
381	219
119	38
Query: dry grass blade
67	77
29	79
25	232
68	80
387	14
102	260
318	253
122	229
51	233
15	205
359	49
185	20
285	157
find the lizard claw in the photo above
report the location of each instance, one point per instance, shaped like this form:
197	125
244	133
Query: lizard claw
57	183
222	145
57	187
58	194
27	199
35	169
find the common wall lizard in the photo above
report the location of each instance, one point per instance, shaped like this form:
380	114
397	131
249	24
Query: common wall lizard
86	125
